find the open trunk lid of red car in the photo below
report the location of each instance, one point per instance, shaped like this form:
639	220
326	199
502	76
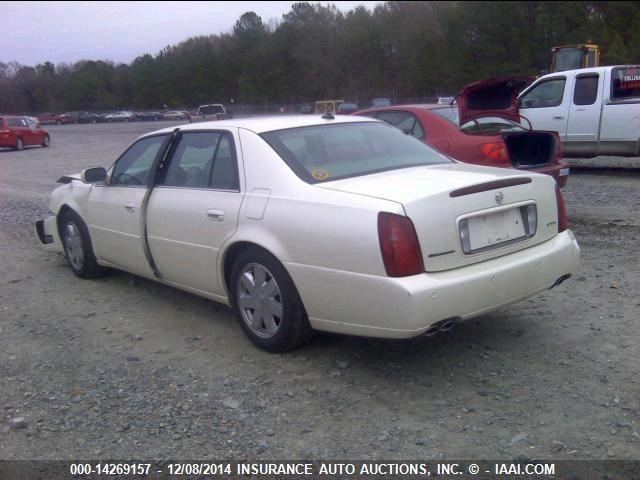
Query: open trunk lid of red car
493	96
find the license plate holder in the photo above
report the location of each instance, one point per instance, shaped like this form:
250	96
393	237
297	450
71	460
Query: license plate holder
488	231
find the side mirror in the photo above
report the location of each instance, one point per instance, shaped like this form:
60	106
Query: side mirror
93	175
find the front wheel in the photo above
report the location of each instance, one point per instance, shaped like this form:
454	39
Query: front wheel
19	144
266	302
46	141
78	248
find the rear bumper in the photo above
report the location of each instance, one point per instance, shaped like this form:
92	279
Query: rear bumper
559	171
366	305
47	234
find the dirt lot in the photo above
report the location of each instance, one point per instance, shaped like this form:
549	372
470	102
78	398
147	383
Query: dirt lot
122	367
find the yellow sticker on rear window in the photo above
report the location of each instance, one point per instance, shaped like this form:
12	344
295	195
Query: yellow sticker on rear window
319	174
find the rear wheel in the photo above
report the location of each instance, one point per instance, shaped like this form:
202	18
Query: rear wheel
19	144
46	141
77	247
266	302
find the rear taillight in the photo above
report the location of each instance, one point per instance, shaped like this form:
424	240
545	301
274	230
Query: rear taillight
495	151
563	223
399	245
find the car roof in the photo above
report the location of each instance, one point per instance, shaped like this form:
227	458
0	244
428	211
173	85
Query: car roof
265	124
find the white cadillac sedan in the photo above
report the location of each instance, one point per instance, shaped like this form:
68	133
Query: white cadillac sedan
309	223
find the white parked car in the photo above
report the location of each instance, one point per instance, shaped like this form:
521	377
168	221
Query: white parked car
175	115
122	116
316	223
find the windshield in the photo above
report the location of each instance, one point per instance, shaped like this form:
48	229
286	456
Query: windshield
331	152
568	59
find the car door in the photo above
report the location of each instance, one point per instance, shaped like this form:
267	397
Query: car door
546	105
114	211
194	208
37	134
28	135
582	129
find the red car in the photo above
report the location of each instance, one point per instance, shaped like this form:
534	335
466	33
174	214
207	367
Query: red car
479	129
52	118
19	132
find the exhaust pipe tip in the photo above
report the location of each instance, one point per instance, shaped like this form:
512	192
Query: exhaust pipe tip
442	326
431	331
446	326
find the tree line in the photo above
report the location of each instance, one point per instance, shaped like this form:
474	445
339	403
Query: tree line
399	49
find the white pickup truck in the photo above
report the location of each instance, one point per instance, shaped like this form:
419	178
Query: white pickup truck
596	111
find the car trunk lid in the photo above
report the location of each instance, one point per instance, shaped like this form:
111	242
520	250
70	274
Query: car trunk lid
531	149
495	96
447	202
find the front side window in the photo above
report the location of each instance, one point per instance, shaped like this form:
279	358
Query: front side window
134	166
330	152
202	160
586	90
546	94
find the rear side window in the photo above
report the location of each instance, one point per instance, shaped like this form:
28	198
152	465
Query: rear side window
202	160
405	121
586	90
16	122
448	113
545	94
625	83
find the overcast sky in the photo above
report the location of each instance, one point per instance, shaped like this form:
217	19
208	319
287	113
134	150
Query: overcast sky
34	32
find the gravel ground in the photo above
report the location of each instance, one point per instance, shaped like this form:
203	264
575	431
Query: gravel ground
122	367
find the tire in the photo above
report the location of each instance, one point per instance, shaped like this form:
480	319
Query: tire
19	144
272	316
58	122
77	247
46	141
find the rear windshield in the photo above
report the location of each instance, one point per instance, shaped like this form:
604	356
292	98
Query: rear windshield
481	125
331	152
210	109
625	83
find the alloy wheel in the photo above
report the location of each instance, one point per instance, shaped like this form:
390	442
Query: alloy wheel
259	300
73	245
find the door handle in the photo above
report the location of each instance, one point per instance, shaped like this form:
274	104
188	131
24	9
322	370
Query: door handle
559	117
581	109
215	215
130	207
